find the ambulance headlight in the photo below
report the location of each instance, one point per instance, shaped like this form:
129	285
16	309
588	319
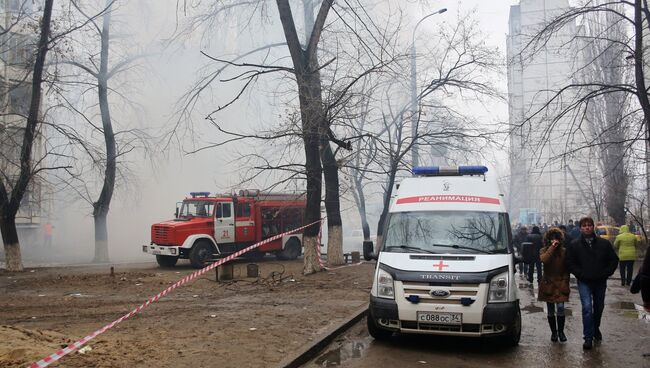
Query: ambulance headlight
385	285
498	288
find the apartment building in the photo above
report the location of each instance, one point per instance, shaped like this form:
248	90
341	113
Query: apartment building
547	181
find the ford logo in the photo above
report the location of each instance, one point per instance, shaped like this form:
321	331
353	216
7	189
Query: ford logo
440	293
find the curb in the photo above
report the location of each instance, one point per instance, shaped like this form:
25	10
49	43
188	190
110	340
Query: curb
306	353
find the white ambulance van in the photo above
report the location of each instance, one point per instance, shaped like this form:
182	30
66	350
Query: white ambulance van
446	263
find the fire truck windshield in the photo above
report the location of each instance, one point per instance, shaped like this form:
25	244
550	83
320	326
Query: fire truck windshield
196	208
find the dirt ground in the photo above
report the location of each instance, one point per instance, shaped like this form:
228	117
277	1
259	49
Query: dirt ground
246	322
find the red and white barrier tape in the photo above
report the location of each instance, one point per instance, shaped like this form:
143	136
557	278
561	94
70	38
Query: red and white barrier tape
318	246
74	346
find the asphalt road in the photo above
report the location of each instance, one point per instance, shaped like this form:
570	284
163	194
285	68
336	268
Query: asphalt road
626	341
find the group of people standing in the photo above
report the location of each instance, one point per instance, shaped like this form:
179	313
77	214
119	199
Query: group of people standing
592	260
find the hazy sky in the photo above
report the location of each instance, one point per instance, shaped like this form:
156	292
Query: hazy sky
152	198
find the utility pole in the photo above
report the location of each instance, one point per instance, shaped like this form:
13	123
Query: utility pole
414	93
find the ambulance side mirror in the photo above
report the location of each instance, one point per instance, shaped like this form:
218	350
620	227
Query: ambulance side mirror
368	250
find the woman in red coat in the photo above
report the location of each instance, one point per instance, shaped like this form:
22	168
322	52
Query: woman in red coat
554	287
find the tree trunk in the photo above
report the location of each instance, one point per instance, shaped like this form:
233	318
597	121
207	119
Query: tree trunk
12	245
101	207
314	183
305	63
360	200
101	240
384	212
639	78
332	206
311	264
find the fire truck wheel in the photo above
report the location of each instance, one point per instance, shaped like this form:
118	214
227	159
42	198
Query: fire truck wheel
166	261
201	253
291	250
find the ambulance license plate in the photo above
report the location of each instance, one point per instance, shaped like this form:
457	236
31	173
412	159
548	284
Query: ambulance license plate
156	251
440	318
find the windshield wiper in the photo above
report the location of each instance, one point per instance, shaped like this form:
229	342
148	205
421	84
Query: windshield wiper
406	247
461	247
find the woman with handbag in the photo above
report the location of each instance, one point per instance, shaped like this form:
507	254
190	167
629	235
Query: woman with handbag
554	286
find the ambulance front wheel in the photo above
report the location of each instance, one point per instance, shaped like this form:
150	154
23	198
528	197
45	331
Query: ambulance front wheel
375	331
512	338
166	261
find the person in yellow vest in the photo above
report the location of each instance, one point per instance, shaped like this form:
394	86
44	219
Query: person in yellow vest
625	245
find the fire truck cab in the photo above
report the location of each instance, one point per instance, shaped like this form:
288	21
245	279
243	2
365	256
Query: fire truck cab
206	226
446	263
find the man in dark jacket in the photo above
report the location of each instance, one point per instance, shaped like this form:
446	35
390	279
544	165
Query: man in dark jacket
592	260
644	275
518	240
535	237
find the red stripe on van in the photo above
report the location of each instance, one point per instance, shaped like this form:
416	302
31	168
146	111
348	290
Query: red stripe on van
449	198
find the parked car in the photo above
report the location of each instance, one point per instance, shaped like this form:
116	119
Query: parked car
354	241
607	232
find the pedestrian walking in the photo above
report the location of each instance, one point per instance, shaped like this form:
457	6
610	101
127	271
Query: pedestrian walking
535	237
519	238
625	245
554	285
642	282
574	231
567	238
644	275
592	260
47	235
569	227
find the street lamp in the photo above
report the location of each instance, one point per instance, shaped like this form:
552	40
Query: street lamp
414	92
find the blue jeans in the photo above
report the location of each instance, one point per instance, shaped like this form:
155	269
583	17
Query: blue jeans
592	298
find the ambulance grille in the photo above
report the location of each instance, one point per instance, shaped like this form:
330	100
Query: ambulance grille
424	289
160	234
465	327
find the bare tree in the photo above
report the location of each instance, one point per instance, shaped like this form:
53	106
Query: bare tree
460	65
317	114
13	188
116	142
596	98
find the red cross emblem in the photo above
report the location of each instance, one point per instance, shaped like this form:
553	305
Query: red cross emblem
440	265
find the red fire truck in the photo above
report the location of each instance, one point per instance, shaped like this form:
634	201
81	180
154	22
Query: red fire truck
208	226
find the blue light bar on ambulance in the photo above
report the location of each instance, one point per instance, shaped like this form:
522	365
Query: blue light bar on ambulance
199	194
442	171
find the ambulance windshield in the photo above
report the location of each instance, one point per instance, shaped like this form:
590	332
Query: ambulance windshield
462	232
